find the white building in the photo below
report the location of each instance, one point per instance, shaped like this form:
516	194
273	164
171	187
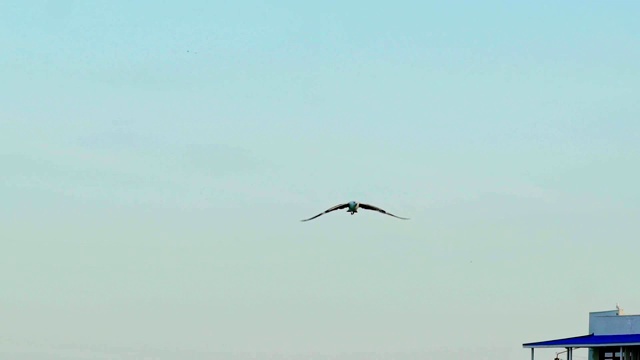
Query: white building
612	336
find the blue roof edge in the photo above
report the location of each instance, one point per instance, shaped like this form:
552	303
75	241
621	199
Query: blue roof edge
551	343
590	340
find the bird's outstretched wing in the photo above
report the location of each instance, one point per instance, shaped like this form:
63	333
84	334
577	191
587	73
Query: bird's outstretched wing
337	207
375	208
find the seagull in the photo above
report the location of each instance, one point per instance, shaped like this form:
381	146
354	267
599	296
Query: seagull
353	207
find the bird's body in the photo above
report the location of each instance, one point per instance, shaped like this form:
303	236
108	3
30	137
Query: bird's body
352	207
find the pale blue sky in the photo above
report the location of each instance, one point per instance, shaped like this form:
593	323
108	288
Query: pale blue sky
156	159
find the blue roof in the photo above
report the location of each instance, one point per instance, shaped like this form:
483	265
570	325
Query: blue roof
589	341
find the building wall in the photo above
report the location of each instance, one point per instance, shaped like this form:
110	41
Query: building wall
610	323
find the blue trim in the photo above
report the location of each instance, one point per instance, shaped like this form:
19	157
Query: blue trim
589	341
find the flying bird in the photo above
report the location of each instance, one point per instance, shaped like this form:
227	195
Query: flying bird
352	207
